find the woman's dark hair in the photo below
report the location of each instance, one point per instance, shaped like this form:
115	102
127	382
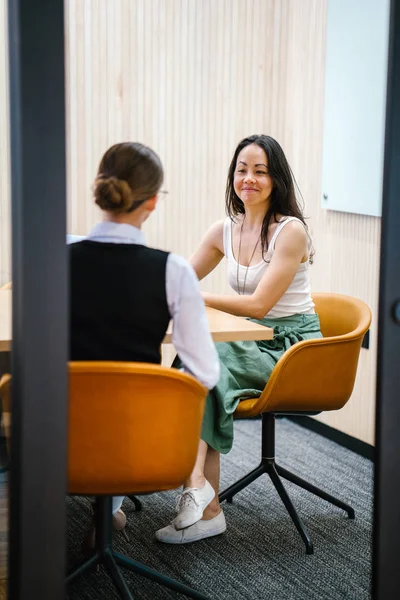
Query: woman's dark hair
283	199
129	174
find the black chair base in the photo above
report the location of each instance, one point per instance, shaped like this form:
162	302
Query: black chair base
136	502
275	472
105	555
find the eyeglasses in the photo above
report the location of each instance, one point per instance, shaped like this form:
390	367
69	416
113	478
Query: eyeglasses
162	193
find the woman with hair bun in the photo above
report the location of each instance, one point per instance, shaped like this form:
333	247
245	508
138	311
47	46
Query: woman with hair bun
123	293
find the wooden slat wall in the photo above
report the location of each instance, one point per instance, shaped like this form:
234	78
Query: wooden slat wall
347	245
191	78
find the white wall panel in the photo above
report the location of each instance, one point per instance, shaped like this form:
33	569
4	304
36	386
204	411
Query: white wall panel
357	38
5	218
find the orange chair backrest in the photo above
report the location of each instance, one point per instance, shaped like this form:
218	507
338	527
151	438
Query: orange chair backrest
5	393
318	374
342	315
5	383
133	427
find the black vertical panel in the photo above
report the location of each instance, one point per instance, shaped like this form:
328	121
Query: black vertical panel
387	483
39	273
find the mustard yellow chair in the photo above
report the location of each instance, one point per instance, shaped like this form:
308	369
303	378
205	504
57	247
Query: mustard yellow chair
5	356
312	376
133	428
5	381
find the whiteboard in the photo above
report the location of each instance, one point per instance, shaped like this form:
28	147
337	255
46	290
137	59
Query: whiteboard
355	105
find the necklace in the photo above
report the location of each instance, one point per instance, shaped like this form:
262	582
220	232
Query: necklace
238	262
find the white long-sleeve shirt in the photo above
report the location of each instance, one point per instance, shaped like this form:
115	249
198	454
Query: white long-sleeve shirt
190	332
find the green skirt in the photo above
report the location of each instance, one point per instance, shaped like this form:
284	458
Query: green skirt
245	369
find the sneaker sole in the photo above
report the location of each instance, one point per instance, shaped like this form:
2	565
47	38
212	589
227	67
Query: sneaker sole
193	539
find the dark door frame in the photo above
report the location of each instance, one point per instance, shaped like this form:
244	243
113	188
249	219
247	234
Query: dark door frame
39	274
386	575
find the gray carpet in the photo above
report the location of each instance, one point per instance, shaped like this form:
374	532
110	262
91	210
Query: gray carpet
261	555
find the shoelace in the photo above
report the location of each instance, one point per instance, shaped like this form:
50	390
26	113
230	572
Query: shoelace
186	500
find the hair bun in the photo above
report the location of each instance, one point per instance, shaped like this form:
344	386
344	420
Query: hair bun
113	194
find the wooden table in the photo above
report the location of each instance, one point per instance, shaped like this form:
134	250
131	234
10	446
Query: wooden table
228	328
223	327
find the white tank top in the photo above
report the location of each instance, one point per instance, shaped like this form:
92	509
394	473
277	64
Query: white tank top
297	298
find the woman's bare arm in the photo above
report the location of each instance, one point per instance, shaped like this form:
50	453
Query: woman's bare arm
210	252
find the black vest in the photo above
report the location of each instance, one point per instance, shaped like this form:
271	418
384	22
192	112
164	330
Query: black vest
118	304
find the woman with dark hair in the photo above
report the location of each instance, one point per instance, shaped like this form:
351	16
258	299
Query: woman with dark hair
122	293
268	250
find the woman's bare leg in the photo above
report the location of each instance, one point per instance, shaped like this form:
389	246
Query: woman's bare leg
207	466
211	472
197	478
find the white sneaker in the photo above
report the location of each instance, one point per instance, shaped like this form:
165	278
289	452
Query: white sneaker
191	504
199	531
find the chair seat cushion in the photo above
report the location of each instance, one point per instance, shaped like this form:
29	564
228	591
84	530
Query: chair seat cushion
245	370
